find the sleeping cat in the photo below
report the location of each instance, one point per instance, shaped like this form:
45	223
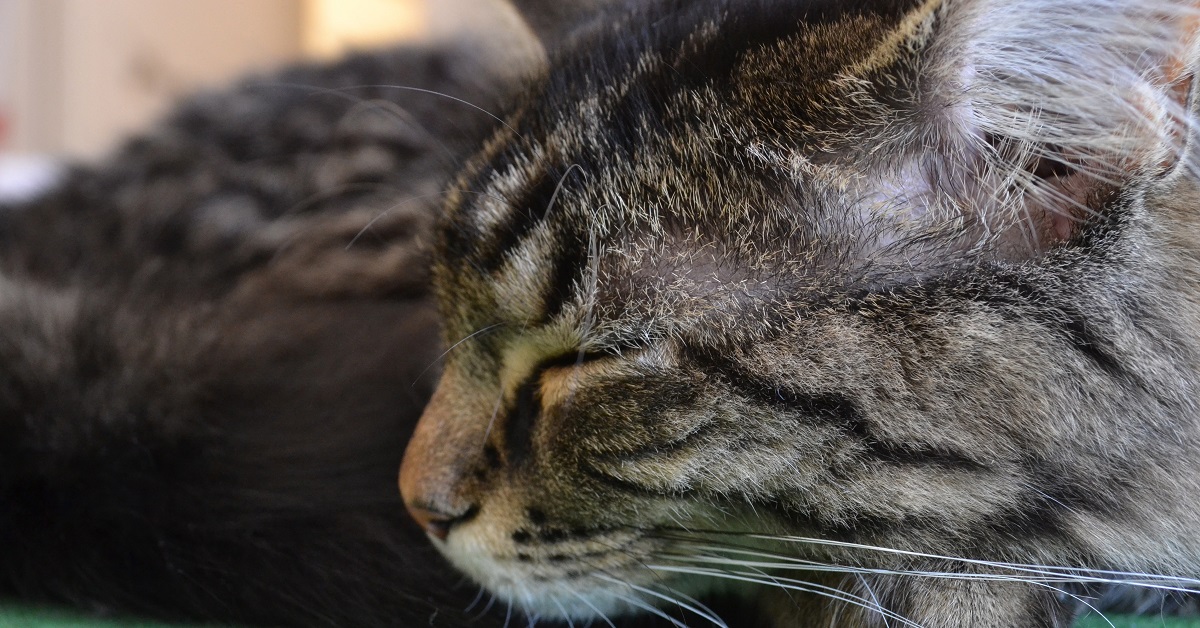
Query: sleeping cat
859	313
881	313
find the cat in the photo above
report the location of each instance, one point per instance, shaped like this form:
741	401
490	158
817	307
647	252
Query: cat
874	313
826	307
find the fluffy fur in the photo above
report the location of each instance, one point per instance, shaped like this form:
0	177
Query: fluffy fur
215	344
890	303
856	313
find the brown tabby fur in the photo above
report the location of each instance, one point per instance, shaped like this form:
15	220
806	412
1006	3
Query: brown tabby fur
745	290
869	313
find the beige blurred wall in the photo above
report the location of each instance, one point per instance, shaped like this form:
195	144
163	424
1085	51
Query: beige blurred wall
330	27
88	71
76	75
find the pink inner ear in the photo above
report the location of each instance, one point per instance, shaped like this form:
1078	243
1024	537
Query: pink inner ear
1060	191
1063	225
1045	109
996	196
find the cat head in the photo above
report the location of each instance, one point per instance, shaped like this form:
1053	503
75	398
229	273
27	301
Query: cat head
857	271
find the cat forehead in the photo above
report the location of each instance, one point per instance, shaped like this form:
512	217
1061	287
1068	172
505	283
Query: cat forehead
816	146
661	179
688	127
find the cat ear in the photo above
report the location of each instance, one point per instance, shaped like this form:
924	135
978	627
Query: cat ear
1044	108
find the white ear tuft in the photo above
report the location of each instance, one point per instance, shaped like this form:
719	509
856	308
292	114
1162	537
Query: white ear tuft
1052	102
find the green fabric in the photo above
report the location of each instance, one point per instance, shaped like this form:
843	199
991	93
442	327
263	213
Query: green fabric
24	617
18	617
1117	621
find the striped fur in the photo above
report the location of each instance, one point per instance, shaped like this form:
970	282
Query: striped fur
912	276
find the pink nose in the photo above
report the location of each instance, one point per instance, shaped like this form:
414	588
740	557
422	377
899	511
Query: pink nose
439	464
435	523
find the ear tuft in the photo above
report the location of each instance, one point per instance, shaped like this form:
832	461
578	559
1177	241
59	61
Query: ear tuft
1055	104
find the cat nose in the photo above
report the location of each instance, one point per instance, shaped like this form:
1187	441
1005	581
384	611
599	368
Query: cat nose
432	492
436	477
435	522
432	499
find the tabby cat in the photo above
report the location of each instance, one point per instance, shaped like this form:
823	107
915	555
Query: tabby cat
883	313
857	313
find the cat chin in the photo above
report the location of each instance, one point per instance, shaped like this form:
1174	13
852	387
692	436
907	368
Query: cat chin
567	590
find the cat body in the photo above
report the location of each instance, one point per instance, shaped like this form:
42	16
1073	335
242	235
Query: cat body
216	342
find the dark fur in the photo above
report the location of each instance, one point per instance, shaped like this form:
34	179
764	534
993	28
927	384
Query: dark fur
210	362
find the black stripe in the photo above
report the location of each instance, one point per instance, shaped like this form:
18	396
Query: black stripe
840	411
567	266
632	488
1067	321
665	29
457	239
1010	294
518	429
1055	490
527	407
856	529
658	449
525	213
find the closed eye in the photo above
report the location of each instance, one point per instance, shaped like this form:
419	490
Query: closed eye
545	381
572	359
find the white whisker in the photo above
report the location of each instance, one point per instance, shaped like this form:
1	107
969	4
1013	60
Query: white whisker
1077	574
691	599
790	584
874	598
478	596
587	603
473	334
487	607
495	414
1043	575
341	91
709	616
633	601
383	214
562	609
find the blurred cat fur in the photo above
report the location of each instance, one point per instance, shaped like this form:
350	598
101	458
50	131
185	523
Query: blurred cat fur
216	341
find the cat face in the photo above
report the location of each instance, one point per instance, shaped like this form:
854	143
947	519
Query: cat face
815	270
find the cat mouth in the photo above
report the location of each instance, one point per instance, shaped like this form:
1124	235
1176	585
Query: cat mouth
598	577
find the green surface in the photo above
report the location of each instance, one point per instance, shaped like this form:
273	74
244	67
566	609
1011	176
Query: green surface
38	618
20	617
1116	621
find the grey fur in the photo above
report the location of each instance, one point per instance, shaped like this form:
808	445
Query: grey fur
899	289
857	273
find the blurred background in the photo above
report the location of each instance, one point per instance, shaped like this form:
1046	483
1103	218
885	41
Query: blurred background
77	75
